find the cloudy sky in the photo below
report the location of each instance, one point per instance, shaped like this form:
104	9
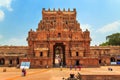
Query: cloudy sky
17	17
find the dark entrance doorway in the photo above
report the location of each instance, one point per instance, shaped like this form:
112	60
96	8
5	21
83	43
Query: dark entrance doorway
17	61
112	59
59	55
10	62
77	63
2	61
100	61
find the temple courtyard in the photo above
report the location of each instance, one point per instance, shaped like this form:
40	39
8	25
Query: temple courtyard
13	73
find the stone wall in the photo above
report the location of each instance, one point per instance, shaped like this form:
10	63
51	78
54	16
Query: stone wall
10	55
13	50
92	77
104	53
100	77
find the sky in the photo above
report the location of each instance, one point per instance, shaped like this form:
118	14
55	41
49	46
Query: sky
17	17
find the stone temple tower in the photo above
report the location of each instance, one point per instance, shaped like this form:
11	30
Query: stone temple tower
59	41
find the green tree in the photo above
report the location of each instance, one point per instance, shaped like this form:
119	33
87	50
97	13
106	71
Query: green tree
113	39
104	44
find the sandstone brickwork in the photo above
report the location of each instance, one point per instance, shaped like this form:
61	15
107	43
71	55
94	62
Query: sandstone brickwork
59	37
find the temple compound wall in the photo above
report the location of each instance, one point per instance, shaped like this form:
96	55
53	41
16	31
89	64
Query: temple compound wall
106	55
59	41
10	55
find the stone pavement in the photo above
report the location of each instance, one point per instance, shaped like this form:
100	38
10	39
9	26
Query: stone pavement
54	73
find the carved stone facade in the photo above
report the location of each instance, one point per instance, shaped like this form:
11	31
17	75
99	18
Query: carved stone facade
59	41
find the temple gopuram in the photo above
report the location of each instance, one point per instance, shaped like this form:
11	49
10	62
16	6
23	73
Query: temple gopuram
59	41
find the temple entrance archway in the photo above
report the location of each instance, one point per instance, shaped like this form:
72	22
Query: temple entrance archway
59	55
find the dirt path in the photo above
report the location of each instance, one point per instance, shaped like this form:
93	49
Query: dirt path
54	73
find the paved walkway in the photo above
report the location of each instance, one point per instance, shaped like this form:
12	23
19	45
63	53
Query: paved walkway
54	73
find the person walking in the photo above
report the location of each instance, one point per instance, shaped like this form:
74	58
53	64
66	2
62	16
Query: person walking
60	68
23	72
70	67
79	67
75	67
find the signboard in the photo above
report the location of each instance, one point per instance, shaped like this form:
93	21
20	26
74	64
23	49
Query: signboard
113	63
118	62
25	65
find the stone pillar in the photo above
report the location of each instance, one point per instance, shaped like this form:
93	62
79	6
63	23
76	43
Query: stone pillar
37	54
6	62
51	54
66	54
14	62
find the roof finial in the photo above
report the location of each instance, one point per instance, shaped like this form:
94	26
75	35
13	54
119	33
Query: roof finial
49	9
53	9
63	9
58	9
68	9
43	9
74	9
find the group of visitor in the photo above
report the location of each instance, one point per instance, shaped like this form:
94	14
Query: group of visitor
110	69
79	67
